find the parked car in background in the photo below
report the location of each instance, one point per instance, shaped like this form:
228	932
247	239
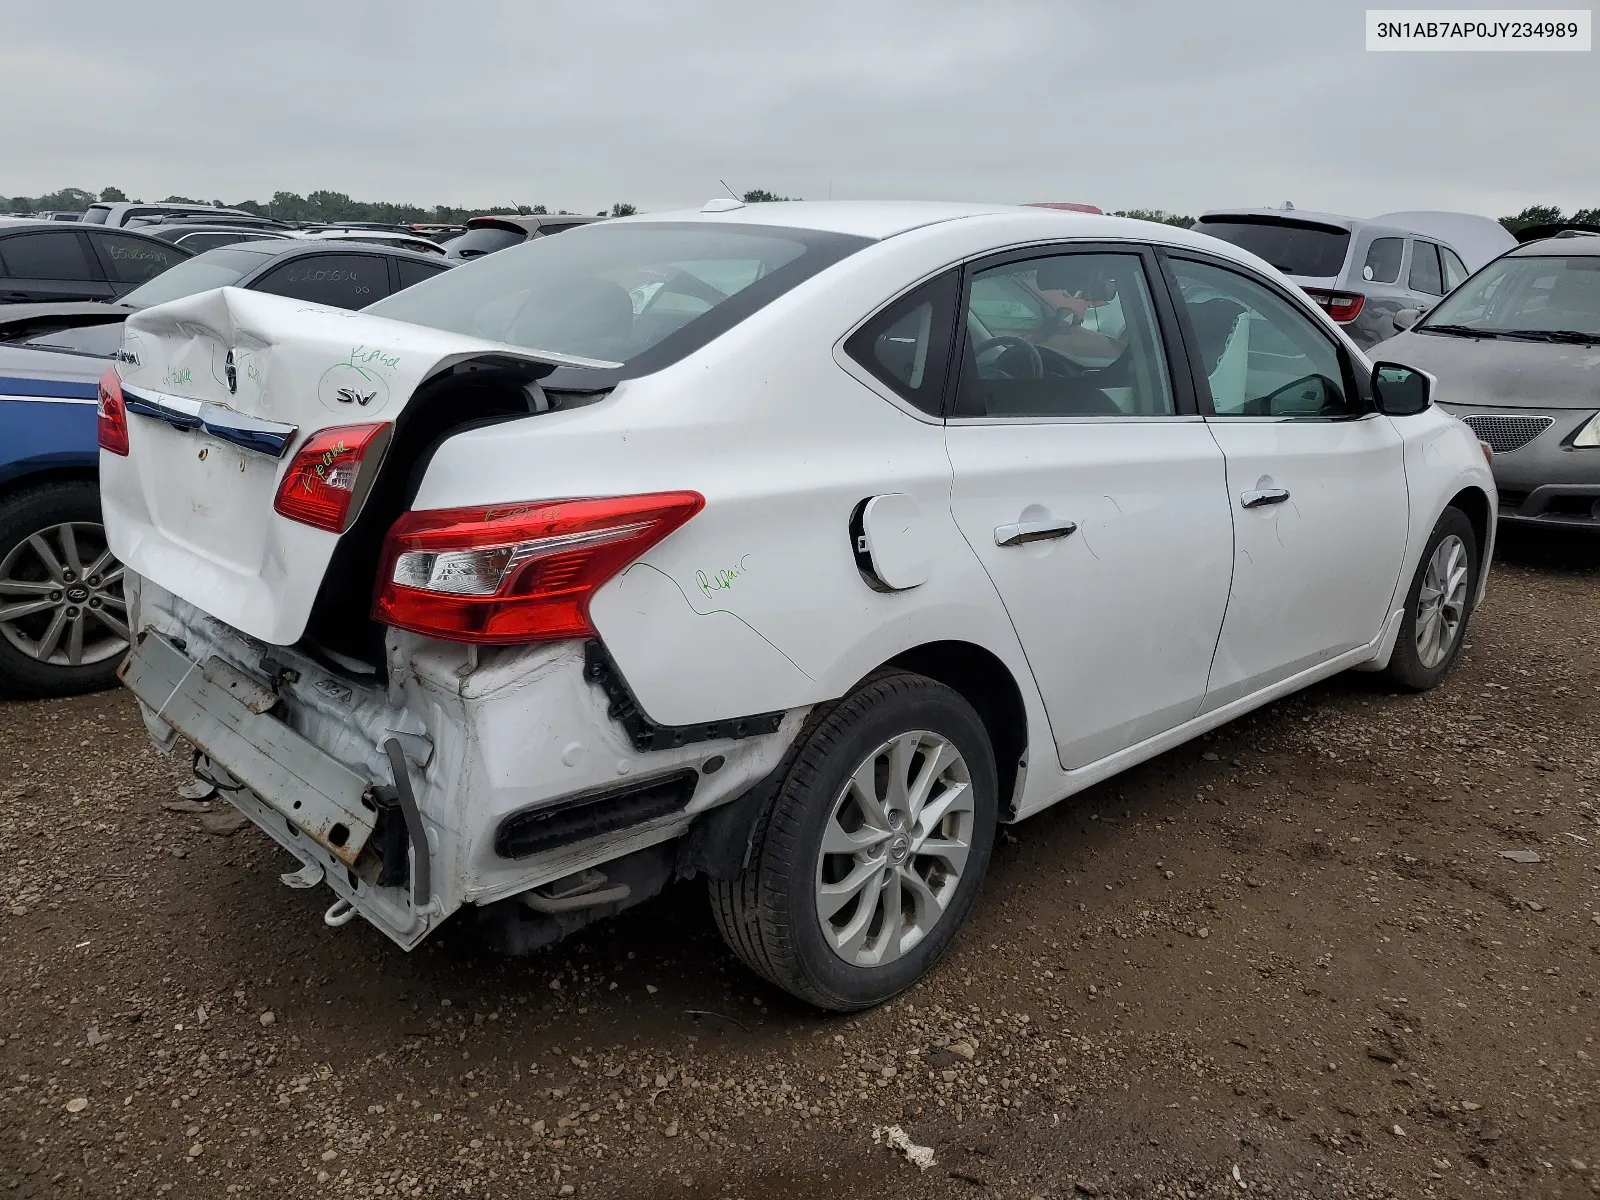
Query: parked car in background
1361	272
569	609
122	213
58	215
1516	350
375	237
45	261
69	636
485	235
197	237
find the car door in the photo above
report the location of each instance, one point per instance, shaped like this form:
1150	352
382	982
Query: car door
342	280
1425	277
1315	479
50	264
129	261
1088	485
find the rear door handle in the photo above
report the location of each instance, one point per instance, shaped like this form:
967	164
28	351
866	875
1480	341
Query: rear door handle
1032	531
1257	497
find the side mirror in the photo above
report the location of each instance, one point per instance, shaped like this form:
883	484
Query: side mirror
1407	317
1401	391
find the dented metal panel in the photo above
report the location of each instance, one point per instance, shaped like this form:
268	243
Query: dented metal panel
316	793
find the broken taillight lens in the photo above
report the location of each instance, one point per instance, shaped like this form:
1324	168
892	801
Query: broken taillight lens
1341	306
112	414
516	573
331	475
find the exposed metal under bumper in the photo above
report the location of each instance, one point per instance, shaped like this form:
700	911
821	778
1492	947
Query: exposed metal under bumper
208	704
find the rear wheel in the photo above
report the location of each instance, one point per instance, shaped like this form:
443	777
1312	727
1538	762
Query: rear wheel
63	620
873	850
1438	604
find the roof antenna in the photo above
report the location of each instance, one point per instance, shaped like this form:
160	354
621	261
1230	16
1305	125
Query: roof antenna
729	190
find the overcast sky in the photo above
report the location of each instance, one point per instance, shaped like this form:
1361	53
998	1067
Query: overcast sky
1119	103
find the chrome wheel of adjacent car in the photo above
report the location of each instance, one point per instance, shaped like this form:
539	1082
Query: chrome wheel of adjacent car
1442	601
894	848
61	600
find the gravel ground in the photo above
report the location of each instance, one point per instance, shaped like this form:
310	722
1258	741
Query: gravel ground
1290	959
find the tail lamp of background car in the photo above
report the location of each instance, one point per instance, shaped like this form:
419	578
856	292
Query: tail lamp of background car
516	573
331	475
112	414
1341	306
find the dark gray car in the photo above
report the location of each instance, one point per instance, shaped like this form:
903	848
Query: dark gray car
1361	272
1517	348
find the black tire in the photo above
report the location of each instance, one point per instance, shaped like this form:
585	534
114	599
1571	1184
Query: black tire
769	915
1406	666
23	514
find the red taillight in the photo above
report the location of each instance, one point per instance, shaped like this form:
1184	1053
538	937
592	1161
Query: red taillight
1341	306
331	475
112	414
516	573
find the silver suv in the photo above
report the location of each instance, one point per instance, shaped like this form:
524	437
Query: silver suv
1363	272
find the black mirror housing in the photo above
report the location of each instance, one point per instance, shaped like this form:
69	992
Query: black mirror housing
1400	391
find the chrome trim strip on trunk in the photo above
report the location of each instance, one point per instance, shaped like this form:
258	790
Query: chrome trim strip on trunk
271	438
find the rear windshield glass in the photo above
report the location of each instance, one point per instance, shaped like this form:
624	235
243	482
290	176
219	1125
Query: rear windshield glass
97	214
101	341
475	243
640	294
1294	247
1527	295
213	269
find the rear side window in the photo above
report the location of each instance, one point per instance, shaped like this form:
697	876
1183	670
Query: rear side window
1383	260
1294	247
1425	275
136	260
1455	271
338	280
415	272
45	256
906	347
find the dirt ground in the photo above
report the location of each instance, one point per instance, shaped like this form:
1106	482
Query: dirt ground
1288	960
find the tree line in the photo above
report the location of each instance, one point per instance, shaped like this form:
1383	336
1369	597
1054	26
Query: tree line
318	207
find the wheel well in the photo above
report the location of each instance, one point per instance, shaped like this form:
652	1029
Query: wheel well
1475	506
987	684
48	475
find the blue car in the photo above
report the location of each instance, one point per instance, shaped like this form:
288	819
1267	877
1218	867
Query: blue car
63	620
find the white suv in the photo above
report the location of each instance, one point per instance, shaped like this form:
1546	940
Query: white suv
795	545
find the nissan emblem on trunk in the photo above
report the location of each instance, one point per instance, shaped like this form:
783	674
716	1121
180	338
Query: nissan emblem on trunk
232	373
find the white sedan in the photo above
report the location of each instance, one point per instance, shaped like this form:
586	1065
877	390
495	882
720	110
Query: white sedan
794	545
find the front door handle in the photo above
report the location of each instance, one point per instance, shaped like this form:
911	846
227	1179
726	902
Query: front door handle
1260	496
1024	532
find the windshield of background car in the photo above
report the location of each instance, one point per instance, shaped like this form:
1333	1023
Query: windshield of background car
643	295
1294	247
213	269
1533	294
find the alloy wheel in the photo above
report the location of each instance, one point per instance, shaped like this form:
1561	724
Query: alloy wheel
61	599
1442	601
894	848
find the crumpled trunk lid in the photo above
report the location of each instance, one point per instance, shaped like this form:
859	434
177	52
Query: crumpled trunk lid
221	389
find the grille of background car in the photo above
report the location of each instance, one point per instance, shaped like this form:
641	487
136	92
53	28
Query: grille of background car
1505	434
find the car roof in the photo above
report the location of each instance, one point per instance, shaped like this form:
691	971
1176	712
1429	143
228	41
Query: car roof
1557	247
10	226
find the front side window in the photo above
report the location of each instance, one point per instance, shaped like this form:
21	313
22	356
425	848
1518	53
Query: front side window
640	295
907	346
1455	271
1263	357
1532	296
44	256
137	260
1426	275
337	280
1383	260
1069	335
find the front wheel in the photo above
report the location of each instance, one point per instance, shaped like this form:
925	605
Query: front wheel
873	850
1437	605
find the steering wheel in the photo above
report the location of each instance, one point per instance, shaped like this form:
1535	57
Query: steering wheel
1007	341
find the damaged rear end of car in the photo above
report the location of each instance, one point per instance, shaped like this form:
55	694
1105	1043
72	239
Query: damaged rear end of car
414	704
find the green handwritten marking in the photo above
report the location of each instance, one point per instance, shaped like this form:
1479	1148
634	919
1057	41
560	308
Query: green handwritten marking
370	355
325	463
176	378
715	611
720	581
